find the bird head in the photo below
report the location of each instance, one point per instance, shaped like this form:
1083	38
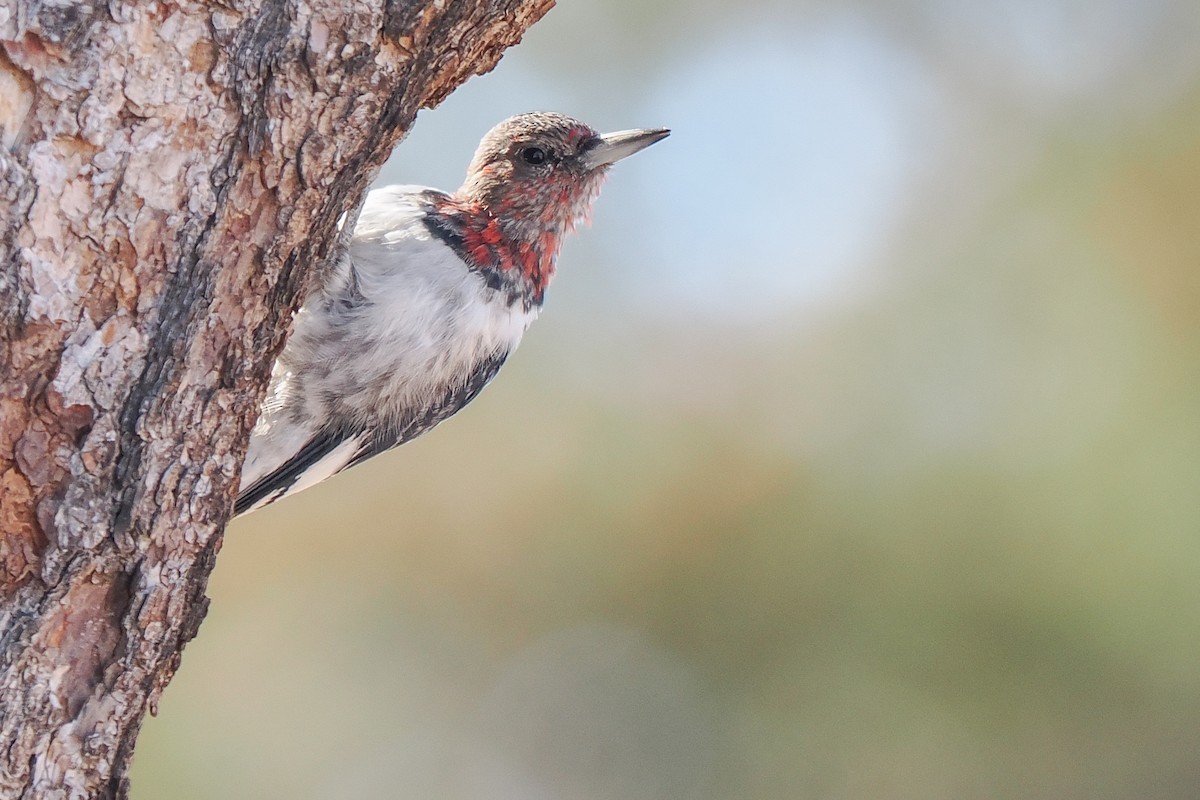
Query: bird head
538	173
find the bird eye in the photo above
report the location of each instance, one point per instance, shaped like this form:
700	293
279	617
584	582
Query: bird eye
533	155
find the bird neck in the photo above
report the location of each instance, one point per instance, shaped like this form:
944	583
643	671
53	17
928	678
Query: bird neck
514	256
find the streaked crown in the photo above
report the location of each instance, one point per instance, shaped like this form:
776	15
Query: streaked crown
539	172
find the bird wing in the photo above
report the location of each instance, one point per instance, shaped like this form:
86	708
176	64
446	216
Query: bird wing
326	454
338	447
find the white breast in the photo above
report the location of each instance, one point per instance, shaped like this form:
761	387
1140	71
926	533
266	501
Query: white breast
429	318
390	335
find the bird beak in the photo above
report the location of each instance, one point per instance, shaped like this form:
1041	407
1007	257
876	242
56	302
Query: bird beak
609	148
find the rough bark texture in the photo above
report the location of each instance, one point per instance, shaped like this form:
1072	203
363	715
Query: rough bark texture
170	173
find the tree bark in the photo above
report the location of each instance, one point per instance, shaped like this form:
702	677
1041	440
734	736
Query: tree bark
170	175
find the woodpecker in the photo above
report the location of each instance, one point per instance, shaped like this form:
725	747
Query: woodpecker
431	294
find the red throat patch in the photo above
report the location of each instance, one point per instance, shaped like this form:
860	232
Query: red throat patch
483	240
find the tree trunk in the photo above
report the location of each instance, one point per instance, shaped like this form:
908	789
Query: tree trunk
170	174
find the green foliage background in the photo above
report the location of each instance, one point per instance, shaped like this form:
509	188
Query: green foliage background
751	517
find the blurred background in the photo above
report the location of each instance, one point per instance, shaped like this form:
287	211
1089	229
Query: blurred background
856	453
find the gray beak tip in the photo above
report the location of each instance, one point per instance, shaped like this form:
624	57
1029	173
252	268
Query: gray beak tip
609	148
